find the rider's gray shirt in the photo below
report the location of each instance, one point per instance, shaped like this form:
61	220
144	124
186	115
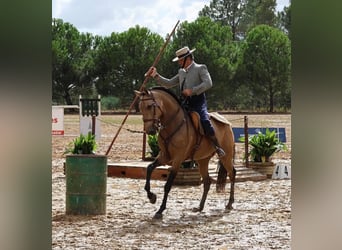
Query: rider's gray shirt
196	77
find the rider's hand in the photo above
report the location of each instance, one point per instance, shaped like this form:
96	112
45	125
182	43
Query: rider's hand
152	72
187	92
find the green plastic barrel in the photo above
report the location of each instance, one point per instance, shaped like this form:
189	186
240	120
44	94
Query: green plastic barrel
86	184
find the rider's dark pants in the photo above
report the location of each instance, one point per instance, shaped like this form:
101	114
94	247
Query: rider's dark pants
198	103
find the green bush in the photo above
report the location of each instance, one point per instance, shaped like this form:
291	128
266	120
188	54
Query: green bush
110	102
264	145
82	145
152	141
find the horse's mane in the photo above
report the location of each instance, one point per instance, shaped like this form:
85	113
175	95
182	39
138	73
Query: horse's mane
168	91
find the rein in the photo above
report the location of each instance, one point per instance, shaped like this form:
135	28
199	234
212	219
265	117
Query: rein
169	137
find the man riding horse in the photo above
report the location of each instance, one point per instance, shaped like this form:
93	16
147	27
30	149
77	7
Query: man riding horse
193	79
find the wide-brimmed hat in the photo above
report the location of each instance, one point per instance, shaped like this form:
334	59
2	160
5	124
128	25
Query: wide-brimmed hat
183	52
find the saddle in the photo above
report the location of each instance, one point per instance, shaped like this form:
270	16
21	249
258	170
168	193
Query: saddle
195	118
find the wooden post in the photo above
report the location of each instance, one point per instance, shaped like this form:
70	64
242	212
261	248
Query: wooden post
246	139
93	119
144	147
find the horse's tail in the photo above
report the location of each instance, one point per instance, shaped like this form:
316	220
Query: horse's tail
222	175
221	178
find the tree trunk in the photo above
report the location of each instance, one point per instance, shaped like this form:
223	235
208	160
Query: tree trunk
67	98
271	99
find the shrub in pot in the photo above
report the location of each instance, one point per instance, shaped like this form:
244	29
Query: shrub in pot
86	177
84	144
264	145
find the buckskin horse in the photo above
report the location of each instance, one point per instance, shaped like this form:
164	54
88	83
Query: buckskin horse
180	139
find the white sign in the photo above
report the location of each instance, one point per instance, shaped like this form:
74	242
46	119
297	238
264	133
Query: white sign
57	120
282	171
86	122
86	125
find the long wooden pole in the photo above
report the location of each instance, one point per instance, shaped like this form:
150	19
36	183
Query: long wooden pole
142	86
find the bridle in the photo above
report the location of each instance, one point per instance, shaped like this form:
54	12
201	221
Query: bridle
158	124
156	121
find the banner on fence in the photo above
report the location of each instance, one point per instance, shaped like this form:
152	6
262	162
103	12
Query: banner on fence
57	120
240	132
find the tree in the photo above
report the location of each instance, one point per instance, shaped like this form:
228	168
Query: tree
226	12
114	66
258	12
63	76
284	20
265	12
214	47
267	57
72	62
139	47
108	58
122	59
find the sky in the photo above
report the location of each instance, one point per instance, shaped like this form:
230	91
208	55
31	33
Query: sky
102	17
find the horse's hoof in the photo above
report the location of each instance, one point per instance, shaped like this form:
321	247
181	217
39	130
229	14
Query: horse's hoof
196	210
229	208
157	216
153	198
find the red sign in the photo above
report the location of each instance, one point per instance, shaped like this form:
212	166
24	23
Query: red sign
57	120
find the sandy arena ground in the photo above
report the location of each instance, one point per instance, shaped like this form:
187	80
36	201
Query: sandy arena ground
261	218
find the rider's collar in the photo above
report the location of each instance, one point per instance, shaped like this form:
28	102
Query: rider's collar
187	68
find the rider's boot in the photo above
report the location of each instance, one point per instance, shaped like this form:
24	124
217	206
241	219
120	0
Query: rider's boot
220	152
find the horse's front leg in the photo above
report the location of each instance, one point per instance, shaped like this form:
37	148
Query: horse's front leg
167	189
151	196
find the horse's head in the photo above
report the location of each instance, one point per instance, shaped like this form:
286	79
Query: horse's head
150	110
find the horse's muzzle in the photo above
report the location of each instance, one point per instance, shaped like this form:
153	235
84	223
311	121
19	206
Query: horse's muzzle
151	130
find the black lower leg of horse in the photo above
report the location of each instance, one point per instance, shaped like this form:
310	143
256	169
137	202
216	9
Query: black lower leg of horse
206	187
151	196
167	189
232	185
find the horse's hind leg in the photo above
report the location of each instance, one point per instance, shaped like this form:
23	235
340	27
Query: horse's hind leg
151	196
221	182
226	165
203	167
232	185
231	172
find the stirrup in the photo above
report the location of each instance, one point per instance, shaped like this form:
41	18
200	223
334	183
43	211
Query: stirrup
220	152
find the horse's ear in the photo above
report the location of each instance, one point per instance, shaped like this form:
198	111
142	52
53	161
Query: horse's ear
138	93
